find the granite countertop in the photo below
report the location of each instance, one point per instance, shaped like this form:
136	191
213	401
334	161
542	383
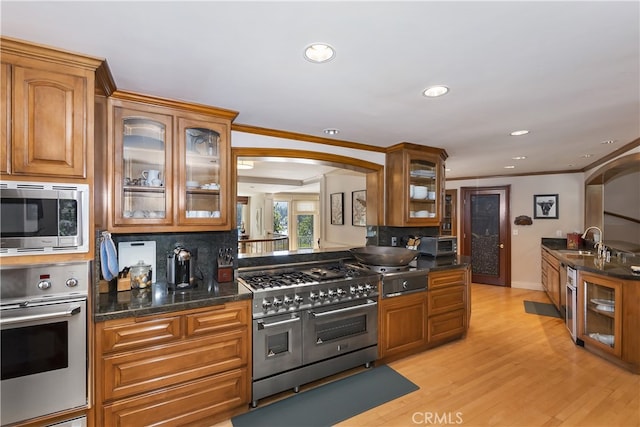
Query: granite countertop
160	299
615	268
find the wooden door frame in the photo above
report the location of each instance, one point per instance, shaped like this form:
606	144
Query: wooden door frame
504	278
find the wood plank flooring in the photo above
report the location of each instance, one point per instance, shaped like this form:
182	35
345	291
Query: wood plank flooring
512	369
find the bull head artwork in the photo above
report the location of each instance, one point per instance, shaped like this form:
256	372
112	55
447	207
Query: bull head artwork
546	206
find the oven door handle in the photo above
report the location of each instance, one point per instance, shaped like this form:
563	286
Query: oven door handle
71	311
368	304
262	325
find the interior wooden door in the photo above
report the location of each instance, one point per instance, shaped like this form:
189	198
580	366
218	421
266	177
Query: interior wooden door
486	234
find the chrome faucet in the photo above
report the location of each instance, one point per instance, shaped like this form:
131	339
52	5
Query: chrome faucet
599	245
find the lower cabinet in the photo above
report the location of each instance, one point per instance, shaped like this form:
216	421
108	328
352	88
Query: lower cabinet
550	277
417	321
447	304
402	324
186	367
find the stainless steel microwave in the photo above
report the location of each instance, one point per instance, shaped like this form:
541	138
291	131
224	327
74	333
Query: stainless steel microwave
43	218
438	246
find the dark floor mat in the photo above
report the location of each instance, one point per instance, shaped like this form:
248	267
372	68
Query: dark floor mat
541	308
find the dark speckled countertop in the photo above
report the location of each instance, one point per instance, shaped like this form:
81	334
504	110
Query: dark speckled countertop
615	268
159	299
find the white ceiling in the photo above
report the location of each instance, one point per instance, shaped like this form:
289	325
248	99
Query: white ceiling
567	71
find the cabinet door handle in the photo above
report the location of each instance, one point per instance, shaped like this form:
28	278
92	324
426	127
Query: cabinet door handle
501	245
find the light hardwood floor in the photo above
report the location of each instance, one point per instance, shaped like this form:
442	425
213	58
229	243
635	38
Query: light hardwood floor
512	369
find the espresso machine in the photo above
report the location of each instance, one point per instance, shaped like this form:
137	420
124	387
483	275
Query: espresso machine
181	267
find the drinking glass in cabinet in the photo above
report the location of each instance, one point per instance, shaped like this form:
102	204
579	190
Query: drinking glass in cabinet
202	169
143	168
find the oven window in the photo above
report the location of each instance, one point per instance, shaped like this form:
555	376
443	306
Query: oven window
34	349
277	344
341	328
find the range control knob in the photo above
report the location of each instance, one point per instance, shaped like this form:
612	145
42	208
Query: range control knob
72	283
298	299
360	289
44	285
277	302
322	295
332	293
368	287
313	296
265	304
287	300
352	290
341	291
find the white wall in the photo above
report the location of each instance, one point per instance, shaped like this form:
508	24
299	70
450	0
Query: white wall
347	234
525	246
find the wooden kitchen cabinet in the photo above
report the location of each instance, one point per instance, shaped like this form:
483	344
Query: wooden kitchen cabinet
415	185
184	367
550	277
448	305
417	321
47	112
402	323
168	165
608	315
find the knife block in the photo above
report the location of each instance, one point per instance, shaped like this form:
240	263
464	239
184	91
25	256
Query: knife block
224	273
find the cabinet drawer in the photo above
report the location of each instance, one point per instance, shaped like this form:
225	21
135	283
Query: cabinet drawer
445	300
195	403
439	279
131	334
447	325
161	366
218	318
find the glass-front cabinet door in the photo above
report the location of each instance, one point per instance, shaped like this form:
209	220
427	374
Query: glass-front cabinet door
414	185
602	306
202	182
142	173
423	189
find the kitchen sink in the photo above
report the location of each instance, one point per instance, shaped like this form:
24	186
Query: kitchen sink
570	253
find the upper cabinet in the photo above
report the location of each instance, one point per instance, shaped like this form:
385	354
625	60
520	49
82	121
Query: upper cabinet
414	185
168	165
47	110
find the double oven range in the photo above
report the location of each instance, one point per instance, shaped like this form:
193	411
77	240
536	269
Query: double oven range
43	325
310	320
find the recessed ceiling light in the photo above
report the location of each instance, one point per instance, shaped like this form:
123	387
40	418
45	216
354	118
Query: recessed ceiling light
519	132
586	156
519	158
447	170
608	141
319	52
435	91
245	164
510	167
331	131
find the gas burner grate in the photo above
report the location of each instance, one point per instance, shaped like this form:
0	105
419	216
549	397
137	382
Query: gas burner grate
276	280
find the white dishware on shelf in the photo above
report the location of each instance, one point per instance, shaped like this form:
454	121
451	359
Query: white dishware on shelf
412	189
193	184
422	214
420	192
432	195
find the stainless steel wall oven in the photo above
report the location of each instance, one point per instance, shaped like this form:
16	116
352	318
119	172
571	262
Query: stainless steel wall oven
43	327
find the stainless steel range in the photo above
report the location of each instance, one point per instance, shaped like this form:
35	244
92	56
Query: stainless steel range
310	320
